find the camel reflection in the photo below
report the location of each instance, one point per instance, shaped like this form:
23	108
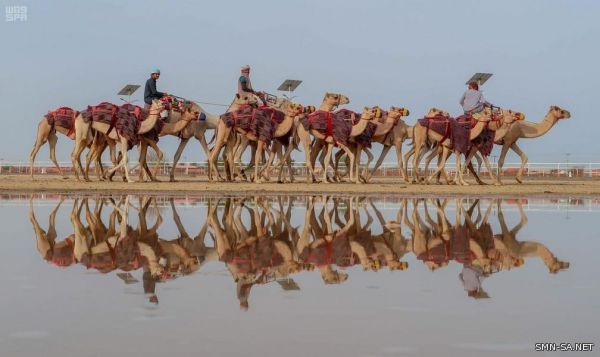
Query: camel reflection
256	240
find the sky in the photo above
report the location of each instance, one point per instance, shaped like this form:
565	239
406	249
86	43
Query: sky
417	54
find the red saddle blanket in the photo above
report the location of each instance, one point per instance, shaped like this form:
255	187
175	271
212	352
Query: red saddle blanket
104	113
450	128
253	120
329	124
336	252
140	114
63	117
125	255
485	140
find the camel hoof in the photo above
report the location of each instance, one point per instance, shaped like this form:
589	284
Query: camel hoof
497	184
518	180
280	181
172	179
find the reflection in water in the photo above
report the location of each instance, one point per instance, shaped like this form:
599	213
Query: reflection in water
256	240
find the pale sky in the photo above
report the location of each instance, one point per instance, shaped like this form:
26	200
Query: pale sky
416	54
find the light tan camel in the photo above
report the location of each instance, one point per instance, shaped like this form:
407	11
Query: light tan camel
281	130
502	119
393	138
186	119
196	129
223	136
392	132
83	136
47	133
145	126
422	134
365	118
330	103
525	130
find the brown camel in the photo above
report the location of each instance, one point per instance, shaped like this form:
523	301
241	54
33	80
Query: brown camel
526	130
422	134
304	133
391	132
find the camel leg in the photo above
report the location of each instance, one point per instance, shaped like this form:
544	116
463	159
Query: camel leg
177	156
407	156
441	163
459	170
524	159
370	157
382	156
304	137
124	161
52	139
257	159
488	166
352	161
327	161
80	144
501	158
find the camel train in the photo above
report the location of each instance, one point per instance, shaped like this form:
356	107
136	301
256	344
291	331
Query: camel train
276	128
256	241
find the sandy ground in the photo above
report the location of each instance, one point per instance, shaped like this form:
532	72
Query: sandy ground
23	183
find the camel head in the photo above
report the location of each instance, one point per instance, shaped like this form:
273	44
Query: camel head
309	109
508	116
157	106
294	109
370	113
190	112
435	111
335	99
396	112
331	276
559	113
244	99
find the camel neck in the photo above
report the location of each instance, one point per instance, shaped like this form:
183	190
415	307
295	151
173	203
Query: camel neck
149	123
533	130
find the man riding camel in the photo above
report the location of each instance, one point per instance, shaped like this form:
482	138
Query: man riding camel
245	85
472	100
150	91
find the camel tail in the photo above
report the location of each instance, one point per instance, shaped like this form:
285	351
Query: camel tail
212	140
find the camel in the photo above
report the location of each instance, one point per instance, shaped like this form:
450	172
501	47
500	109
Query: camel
422	134
507	244
395	137
304	134
391	132
47	133
283	129
196	130
171	127
145	126
223	136
525	130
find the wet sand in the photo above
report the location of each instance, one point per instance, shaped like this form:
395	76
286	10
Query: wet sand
536	186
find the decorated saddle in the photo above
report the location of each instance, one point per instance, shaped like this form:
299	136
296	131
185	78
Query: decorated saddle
104	112
140	114
450	128
252	120
365	138
329	124
176	104
125	255
63	117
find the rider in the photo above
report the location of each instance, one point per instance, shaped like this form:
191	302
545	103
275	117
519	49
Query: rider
472	101
245	85
150	91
